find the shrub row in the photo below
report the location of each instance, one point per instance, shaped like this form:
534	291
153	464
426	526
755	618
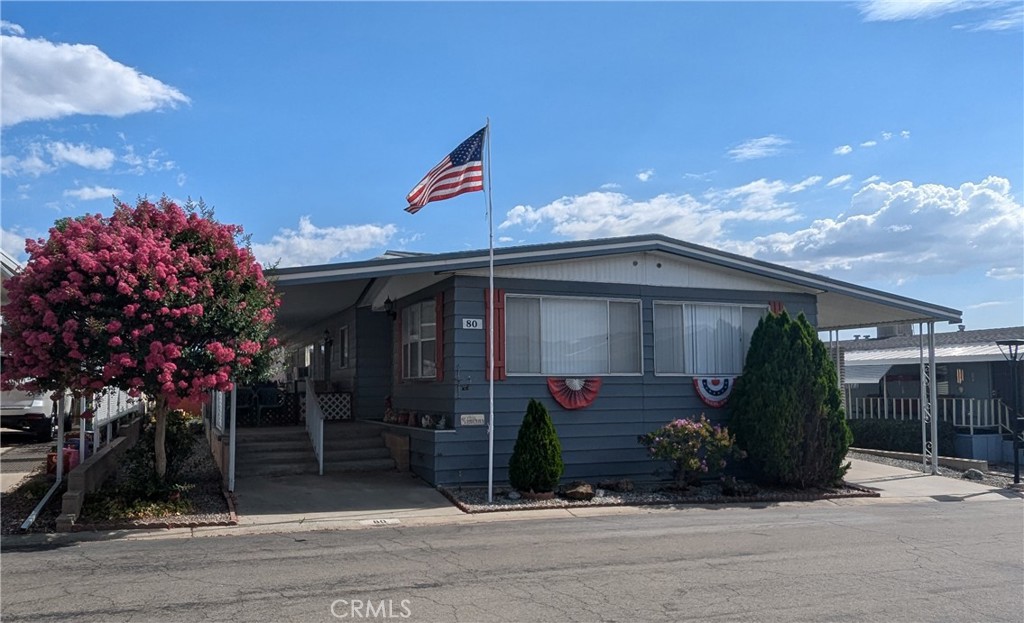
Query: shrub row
897	435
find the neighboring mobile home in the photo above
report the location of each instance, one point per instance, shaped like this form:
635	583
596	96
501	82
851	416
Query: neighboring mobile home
615	337
974	387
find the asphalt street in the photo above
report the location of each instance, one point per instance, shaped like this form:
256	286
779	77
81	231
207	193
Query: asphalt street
859	560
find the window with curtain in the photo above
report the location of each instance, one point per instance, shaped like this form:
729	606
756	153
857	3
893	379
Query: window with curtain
696	338
419	335
571	336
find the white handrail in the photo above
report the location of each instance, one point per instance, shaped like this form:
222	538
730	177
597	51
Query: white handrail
968	413
315	424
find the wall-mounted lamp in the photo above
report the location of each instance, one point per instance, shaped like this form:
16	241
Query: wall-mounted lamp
389	308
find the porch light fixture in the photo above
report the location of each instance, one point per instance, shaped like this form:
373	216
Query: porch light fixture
389	308
1010	349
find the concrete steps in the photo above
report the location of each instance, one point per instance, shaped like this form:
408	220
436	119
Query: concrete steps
274	451
287	450
355	447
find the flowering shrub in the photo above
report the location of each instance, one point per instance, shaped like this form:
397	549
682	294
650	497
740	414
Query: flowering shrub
693	447
155	299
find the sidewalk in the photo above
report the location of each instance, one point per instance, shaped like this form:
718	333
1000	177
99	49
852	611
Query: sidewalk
897	483
358	501
337	501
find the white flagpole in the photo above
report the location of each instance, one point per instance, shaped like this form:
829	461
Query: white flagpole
490	325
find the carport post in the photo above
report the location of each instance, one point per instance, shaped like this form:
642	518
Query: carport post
231	442
933	397
81	430
60	437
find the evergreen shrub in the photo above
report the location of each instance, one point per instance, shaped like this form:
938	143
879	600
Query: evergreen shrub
786	408
536	461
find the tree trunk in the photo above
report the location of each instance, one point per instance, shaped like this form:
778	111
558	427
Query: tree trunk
159	436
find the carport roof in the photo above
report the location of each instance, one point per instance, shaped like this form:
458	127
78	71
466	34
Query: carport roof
313	293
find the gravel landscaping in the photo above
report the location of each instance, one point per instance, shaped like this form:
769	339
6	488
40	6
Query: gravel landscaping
474	499
202	498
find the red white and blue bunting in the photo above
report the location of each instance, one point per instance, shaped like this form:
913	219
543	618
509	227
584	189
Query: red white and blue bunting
714	390
574	393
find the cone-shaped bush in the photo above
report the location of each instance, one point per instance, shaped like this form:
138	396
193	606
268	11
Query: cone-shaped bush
536	462
786	408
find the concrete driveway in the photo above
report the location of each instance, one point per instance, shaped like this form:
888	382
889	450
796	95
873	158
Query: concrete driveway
20	455
376	498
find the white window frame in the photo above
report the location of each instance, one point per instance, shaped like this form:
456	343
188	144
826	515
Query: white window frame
425	320
684	305
607	301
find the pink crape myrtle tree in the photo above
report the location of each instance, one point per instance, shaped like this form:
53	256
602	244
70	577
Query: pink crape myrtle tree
156	299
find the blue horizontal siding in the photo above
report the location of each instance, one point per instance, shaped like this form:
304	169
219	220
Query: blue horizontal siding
597	442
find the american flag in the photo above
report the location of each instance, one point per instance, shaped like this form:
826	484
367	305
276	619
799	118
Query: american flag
461	171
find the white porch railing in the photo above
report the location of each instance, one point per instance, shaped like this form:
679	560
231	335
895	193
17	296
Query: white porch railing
967	413
315	424
108	407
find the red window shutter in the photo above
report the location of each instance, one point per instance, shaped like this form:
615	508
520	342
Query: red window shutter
439	337
499	335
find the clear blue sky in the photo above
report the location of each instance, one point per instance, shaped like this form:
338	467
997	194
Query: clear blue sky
879	143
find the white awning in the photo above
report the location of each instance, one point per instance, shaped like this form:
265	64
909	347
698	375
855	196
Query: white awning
868	374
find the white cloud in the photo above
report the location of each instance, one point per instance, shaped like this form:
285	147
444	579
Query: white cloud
873	178
699	176
32	164
890	11
139	165
14	29
505	239
994	14
47	80
182	178
805	184
836	181
905	134
610	186
754	148
901	230
13	241
986	305
88	193
886	136
13	244
869	143
605	214
643	176
83	155
1010	20
310	244
1006	273
842	150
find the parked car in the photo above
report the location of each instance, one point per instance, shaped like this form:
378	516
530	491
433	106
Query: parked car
30	413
